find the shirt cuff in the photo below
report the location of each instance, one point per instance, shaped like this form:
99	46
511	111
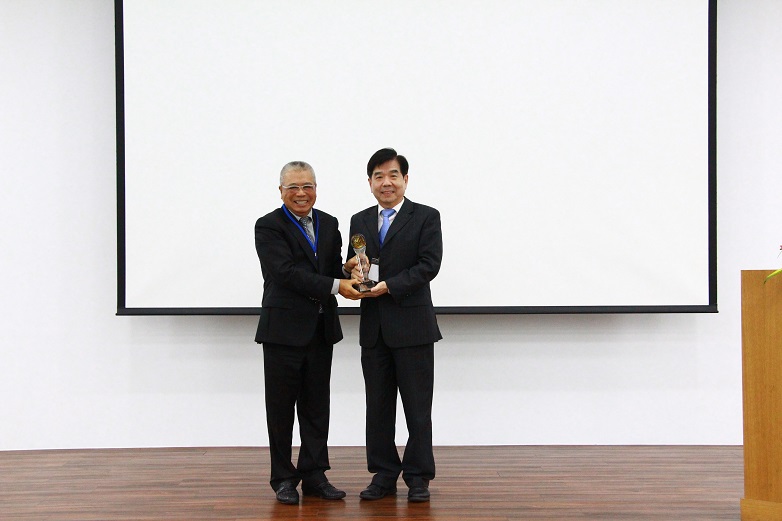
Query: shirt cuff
335	287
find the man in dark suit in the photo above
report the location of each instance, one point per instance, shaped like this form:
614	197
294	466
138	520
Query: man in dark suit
300	253
398	328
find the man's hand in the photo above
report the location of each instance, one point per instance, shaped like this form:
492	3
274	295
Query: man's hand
361	268
358	273
379	289
357	267
350	264
347	290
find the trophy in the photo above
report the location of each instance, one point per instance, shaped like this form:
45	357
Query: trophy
359	244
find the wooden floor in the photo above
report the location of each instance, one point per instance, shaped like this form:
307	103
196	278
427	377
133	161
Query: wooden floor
473	483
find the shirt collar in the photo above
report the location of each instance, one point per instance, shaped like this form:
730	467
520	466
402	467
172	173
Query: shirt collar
309	214
396	208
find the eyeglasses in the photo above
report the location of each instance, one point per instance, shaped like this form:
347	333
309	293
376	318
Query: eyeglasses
296	188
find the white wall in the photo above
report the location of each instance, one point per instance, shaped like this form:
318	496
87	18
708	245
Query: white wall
74	375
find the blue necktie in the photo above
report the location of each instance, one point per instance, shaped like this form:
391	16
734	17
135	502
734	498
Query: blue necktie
387	213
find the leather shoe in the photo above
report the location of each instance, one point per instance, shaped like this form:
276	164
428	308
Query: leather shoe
323	490
374	491
287	494
418	494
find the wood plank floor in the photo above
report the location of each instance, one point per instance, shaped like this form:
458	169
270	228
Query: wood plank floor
473	483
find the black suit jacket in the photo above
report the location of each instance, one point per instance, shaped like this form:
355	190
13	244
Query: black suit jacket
296	283
409	259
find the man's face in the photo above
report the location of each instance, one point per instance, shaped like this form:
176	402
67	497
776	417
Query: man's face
388	184
297	199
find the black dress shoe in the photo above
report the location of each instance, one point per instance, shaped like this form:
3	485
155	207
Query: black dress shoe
323	490
287	494
376	492
418	494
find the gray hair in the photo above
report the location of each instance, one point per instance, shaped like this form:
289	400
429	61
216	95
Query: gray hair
297	165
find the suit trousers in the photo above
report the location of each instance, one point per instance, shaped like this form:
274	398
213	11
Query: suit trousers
410	370
298	378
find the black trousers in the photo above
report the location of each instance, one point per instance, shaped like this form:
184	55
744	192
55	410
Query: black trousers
410	371
298	378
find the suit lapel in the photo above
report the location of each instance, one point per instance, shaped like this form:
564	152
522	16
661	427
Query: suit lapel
325	238
300	238
404	216
370	224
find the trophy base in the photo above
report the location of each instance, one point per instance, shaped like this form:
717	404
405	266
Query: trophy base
365	286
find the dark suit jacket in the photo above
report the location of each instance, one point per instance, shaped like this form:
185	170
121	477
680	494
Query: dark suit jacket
409	259
295	282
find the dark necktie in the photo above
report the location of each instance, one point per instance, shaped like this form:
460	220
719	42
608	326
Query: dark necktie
305	223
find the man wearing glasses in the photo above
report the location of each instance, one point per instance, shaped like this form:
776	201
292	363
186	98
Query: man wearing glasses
300	253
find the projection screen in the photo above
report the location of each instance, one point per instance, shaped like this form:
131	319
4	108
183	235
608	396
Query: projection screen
568	145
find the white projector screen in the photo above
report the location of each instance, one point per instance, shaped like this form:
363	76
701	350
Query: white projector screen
569	145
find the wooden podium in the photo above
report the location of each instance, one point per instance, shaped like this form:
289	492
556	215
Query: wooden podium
761	357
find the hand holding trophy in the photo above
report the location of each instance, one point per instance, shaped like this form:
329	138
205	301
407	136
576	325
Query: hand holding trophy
359	244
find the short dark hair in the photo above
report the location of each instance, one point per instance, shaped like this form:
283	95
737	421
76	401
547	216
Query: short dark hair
383	155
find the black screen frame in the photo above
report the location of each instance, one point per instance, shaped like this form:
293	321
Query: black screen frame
711	307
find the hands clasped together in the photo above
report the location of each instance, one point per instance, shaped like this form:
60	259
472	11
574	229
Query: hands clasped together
347	287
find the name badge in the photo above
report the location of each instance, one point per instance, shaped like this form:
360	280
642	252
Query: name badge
374	270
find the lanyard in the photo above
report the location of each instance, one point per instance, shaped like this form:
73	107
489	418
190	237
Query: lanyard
315	225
